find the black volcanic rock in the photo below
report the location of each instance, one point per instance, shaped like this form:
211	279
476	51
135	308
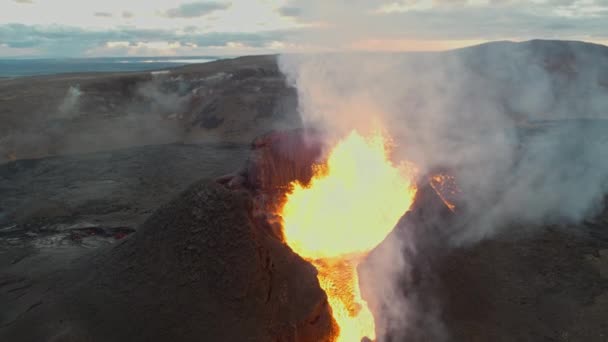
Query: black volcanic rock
551	286
198	269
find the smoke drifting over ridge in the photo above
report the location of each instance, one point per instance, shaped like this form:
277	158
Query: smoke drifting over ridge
523	128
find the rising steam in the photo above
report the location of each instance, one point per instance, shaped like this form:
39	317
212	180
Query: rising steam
69	105
512	122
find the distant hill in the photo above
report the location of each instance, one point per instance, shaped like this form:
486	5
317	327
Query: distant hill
572	75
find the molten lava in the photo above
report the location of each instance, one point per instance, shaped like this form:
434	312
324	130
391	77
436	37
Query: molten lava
351	204
445	187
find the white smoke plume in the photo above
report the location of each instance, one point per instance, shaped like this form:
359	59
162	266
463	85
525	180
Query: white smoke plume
522	127
69	106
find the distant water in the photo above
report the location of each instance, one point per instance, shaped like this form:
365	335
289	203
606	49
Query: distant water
48	66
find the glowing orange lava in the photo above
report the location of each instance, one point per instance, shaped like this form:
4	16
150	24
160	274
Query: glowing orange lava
445	187
350	206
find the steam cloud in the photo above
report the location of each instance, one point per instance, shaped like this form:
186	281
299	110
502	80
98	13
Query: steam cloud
69	106
521	126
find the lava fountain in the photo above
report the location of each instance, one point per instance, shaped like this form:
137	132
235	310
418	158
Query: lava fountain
351	204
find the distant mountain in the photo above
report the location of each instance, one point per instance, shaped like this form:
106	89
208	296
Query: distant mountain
544	79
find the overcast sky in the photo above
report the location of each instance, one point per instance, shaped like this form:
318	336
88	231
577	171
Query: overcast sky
76	28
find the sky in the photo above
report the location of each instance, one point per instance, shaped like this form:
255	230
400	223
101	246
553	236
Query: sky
93	28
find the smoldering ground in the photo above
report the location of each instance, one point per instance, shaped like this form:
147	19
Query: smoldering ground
522	127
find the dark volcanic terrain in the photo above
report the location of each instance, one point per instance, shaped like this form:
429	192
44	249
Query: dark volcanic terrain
87	159
225	101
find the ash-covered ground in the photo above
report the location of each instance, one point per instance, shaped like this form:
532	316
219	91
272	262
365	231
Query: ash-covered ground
88	158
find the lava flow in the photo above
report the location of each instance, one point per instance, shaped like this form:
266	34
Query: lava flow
445	187
351	204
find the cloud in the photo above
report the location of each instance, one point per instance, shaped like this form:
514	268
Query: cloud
248	39
341	25
320	25
74	41
196	9
103	14
288	11
451	2
24	1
